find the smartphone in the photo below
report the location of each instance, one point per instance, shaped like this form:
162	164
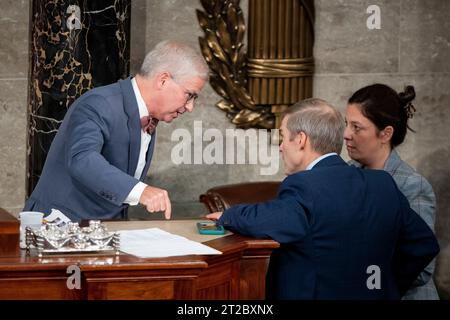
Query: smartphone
209	228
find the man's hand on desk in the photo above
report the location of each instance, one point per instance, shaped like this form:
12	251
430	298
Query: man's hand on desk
156	200
214	216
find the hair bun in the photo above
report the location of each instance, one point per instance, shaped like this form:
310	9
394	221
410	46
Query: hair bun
405	98
407	95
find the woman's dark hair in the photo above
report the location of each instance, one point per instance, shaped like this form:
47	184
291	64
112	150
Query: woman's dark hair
384	107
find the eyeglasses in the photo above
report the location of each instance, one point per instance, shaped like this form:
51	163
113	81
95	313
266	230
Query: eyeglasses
190	95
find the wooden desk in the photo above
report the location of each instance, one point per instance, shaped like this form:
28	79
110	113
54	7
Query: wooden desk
9	234
239	273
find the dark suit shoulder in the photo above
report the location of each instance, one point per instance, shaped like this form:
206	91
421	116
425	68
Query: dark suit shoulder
296	179
378	175
381	182
299	185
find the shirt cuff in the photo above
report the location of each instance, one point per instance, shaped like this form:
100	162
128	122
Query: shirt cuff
135	194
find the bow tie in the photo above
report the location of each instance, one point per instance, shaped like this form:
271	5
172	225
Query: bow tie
148	124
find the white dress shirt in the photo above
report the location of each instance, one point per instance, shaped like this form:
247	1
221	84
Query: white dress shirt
135	193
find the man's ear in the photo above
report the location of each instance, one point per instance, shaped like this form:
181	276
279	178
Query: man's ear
386	134
162	78
301	140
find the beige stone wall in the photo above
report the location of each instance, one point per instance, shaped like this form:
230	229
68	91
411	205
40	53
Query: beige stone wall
412	47
13	102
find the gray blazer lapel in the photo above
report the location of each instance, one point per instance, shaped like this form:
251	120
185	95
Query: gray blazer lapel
134	125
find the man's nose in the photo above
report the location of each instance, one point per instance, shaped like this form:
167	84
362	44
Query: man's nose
189	106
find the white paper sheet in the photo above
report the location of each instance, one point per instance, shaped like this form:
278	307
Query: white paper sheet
156	243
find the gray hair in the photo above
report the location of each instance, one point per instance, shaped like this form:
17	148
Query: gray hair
320	121
180	60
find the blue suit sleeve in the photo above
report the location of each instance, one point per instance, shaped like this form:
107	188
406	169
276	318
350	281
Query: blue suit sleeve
283	219
87	131
416	246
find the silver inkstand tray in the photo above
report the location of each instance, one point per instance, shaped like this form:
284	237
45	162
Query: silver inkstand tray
71	238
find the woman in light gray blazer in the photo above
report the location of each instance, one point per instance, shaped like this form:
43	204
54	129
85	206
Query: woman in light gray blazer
376	123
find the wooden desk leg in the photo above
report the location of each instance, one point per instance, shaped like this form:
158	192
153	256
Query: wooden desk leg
253	275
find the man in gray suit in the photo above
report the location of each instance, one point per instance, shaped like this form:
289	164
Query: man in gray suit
103	149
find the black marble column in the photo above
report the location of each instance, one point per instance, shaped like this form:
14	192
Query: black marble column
75	45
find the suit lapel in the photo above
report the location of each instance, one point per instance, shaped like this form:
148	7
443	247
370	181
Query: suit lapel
134	125
148	156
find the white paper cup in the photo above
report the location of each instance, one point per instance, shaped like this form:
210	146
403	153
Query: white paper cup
32	219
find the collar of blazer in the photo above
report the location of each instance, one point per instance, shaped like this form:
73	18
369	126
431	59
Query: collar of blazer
330	161
392	162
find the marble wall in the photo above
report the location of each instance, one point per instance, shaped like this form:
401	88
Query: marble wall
76	45
412	47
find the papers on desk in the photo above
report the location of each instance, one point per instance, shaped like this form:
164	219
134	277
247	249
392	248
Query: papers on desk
156	243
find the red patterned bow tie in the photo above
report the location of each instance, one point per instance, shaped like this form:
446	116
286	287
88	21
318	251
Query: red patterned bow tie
148	124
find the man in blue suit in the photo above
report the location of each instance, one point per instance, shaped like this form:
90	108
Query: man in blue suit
104	146
344	233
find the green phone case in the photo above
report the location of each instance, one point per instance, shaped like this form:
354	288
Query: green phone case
209	228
